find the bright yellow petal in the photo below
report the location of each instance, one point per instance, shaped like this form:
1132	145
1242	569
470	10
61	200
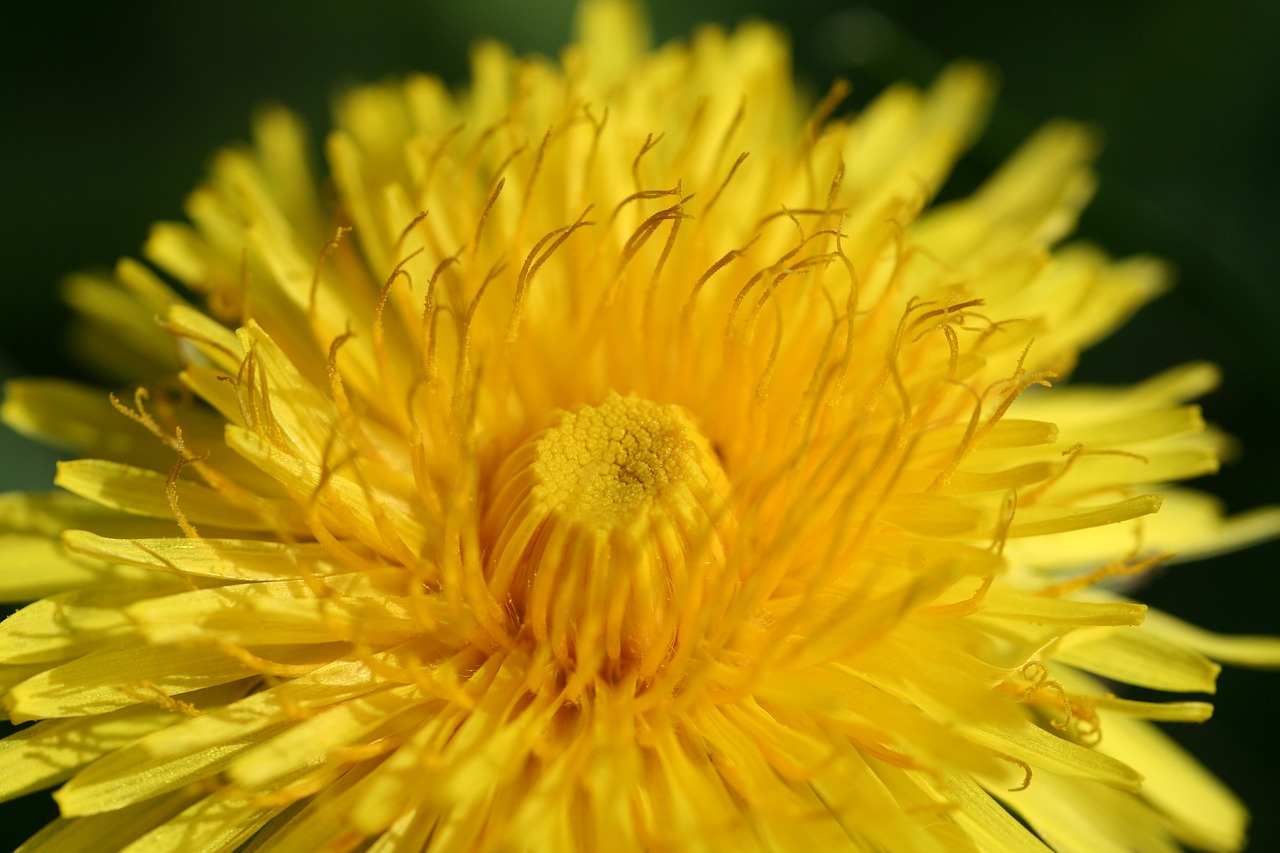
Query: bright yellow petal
1261	652
50	751
1139	656
108	831
219	822
1201	809
1054	754
142	492
1075	818
32	566
228	559
119	676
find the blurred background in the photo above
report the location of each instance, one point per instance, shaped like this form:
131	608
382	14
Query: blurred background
111	111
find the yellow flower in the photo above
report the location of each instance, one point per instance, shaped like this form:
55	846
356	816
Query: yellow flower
616	456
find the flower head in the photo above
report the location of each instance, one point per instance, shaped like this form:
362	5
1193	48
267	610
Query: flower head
617	455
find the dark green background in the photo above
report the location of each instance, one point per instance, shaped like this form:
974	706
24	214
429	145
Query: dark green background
110	112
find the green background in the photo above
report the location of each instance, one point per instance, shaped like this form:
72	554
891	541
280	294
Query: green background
110	112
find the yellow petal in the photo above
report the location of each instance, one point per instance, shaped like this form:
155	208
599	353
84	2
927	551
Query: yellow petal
333	728
871	715
1007	603
50	751
358	509
281	142
615	36
1039	521
72	416
210	338
129	327
988	824
15	673
413	831
1045	751
132	776
905	141
1032	201
219	822
1078	818
212	386
358	607
865	809
304	415
1166	712
36	566
109	831
1261	652
1203	812
1135	427
147	288
198	747
1087	404
323	817
179	250
230	559
1101	697
1195	528
142	492
1189	524
932	515
1138	656
117	677
1094	473
968	482
69	624
47	514
1112	291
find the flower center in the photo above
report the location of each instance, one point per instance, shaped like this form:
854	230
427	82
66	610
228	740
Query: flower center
607	534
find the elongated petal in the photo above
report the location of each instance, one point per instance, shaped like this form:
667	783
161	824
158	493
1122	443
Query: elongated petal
119	676
50	751
229	559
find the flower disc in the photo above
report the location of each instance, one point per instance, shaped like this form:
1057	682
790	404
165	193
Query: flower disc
608	530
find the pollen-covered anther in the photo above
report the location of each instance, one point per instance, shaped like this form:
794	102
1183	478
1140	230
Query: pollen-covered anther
607	534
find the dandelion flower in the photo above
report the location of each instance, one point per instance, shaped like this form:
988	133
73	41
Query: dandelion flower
618	455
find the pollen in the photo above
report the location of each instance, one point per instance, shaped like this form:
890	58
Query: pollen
607	528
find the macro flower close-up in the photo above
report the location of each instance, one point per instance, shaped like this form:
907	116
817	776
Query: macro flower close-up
621	451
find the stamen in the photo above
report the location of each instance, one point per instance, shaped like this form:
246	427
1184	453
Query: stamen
171	489
850	311
720	189
484	215
325	253
1125	566
650	141
666	253
430	315
538	160
726	259
407	230
840	89
643	195
149	693
1026	770
1014	386
1038	674
534	261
